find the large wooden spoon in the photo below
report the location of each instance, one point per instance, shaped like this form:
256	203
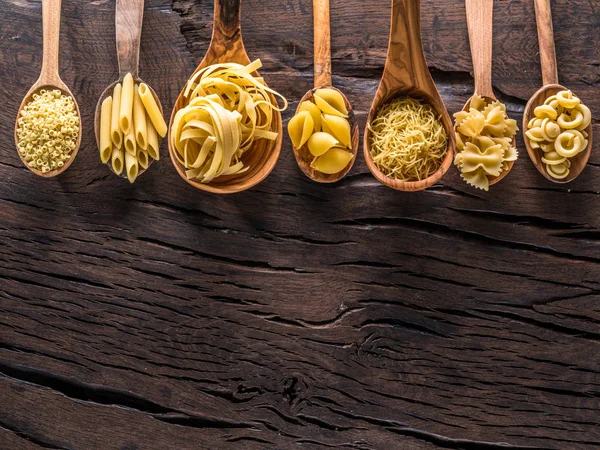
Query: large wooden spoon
543	14
129	16
406	75
227	46
480	15
49	78
322	30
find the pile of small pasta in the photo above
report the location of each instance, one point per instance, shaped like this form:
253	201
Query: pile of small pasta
484	139
226	111
558	130
48	130
323	124
408	140
130	125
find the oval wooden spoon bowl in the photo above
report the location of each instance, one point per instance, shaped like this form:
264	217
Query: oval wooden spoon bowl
304	158
227	46
50	79
543	14
406	75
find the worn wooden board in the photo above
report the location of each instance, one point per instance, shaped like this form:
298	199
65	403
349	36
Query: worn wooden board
297	315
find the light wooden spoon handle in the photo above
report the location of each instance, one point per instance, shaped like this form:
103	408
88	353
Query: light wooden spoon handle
480	23
51	29
543	15
322	27
129	15
227	30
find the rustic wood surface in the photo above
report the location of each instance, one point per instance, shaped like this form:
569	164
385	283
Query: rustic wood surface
297	315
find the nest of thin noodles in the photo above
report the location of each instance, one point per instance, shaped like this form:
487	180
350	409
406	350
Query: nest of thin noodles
227	110
408	140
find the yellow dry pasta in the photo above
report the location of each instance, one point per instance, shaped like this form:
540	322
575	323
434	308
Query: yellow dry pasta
153	142
126	106
153	110
48	128
227	109
558	131
117	160
484	136
116	134
408	139
131	167
105	140
139	121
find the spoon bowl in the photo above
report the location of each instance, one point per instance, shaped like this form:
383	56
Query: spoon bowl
551	86
406	75
50	80
227	46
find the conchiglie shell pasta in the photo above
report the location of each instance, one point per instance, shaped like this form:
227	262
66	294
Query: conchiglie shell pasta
339	128
330	101
300	128
333	161
320	143
314	112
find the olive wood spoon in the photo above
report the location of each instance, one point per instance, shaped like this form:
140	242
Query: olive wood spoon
406	75
480	15
49	78
543	14
129	16
227	46
323	79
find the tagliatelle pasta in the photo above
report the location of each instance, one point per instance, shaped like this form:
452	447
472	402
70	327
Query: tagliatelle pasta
227	109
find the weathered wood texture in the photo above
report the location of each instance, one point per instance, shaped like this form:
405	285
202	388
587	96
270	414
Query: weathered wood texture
297	315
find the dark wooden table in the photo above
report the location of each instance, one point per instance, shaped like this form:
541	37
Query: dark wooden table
296	315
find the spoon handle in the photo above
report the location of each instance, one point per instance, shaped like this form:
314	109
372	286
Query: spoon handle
226	44
322	27
51	29
129	15
543	15
480	23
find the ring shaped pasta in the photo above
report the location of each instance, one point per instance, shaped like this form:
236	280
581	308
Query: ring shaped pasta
569	143
545	111
567	100
552	158
570	121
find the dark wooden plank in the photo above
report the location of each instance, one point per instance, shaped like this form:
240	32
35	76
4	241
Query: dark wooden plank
297	315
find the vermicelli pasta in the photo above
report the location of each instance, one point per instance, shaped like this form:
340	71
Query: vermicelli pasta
408	140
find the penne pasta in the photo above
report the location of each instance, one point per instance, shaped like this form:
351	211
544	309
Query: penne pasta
143	160
153	143
131	166
130	144
126	106
105	141
117	160
116	134
139	121
152	109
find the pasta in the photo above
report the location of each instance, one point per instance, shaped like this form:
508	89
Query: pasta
115	129
48	128
408	139
140	142
139	121
153	110
484	136
227	109
126	106
322	124
558	131
105	140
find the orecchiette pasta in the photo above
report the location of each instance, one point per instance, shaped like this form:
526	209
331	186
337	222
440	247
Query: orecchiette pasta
484	142
558	130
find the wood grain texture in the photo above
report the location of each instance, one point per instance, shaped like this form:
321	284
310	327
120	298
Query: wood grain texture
406	75
545	27
322	24
297	315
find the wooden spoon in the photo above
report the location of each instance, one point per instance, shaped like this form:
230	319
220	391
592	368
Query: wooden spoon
49	78
129	15
480	24
543	14
227	46
406	75
322	31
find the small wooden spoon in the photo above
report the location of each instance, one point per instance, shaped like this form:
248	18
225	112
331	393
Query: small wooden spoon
322	31
227	46
129	16
49	78
543	14
480	24
406	75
